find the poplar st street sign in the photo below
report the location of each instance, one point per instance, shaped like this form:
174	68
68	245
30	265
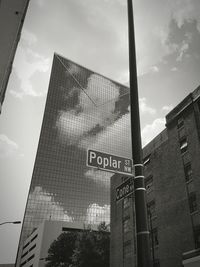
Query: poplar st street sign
109	162
124	189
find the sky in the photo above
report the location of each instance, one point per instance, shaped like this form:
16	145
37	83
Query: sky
92	33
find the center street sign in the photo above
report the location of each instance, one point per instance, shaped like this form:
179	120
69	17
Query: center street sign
109	162
125	189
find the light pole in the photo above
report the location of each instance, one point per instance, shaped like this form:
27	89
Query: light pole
15	222
142	231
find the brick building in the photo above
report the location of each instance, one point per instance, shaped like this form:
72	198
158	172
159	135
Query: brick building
172	172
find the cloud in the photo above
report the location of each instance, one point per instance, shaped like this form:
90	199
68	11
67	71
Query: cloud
154	69
185	10
123	77
28	37
181	42
100	177
42	200
167	108
182	51
144	108
7	147
41	3
26	65
152	130
97	214
174	69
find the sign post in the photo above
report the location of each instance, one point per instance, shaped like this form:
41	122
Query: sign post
124	189
108	162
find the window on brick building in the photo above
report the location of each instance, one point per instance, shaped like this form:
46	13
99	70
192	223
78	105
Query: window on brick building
188	171
146	160
151	207
156	263
126	225
180	122
126	207
192	202
197	236
181	133
126	202
186	158
149	184
183	145
154	235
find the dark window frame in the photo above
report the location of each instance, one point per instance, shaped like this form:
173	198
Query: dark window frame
183	145
149	184
192	202
180	122
154	235
188	171
146	160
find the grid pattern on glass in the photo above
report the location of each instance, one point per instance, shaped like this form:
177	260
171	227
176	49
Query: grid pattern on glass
84	110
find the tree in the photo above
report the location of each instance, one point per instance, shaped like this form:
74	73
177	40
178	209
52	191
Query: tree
61	250
92	248
85	248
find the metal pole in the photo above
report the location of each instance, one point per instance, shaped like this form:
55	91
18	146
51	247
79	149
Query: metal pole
142	232
15	222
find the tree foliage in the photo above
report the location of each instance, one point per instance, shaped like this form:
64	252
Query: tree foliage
61	250
86	248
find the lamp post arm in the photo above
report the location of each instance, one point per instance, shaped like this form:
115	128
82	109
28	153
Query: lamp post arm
15	222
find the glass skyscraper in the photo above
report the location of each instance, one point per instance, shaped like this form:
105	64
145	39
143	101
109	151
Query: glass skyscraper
84	110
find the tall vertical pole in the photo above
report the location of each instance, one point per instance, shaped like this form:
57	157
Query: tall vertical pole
142	232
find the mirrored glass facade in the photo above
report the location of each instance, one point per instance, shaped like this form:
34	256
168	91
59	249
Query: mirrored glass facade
84	110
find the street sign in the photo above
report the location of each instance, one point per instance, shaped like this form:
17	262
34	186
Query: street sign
125	189
109	162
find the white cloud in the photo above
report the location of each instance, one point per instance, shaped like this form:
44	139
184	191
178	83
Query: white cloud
7	146
174	69
97	214
185	10
28	37
144	108
167	108
100	177
27	64
42	200
180	11
148	70
182	51
154	69
152	130
41	3
123	77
